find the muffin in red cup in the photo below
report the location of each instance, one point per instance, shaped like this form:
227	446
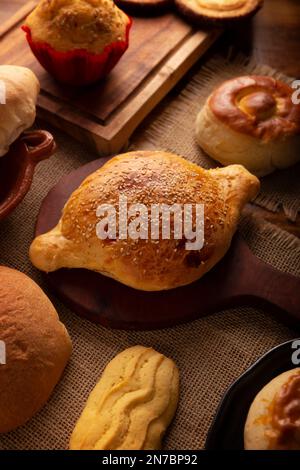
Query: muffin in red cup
78	41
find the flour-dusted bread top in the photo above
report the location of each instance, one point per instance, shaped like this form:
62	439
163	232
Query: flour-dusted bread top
19	90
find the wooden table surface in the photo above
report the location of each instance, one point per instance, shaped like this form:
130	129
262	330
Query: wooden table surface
8	8
272	37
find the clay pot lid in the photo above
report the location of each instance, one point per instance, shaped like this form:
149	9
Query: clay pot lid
17	167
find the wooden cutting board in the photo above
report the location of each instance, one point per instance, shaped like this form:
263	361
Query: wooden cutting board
162	50
240	278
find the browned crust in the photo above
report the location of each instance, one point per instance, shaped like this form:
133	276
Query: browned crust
199	17
144	7
37	344
284	414
256	105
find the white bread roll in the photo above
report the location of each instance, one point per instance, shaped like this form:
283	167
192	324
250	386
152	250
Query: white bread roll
251	121
19	88
273	420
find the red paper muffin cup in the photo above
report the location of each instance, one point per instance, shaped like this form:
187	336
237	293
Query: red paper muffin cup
79	66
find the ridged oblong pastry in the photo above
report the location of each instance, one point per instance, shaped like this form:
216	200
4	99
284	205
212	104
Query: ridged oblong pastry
147	178
132	405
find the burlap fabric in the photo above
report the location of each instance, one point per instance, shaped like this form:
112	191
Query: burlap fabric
173	128
210	353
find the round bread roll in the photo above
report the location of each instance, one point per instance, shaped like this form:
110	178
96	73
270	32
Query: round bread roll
217	12
37	347
273	420
19	89
252	121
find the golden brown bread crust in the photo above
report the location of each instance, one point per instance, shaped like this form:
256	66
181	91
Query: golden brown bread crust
38	348
148	178
68	25
132	405
273	421
216	12
18	113
259	106
251	121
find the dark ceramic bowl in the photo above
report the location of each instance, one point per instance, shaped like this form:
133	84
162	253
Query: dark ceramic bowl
17	167
227	429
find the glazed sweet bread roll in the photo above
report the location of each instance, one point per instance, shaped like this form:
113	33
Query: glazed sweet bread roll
78	41
132	405
148	263
217	12
77	24
20	88
252	121
148	178
37	347
273	420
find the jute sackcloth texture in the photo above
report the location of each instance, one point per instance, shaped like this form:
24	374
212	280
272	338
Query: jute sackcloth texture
210	353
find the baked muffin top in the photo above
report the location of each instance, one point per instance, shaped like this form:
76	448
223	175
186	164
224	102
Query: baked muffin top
78	24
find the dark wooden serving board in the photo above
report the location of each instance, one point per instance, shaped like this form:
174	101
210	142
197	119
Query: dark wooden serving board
161	51
239	278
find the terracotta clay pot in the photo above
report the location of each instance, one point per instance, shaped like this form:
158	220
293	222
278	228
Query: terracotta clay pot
17	167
